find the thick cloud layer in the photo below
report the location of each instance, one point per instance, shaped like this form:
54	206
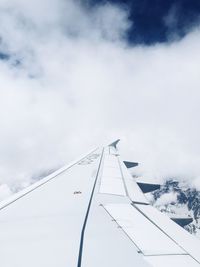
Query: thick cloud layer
70	81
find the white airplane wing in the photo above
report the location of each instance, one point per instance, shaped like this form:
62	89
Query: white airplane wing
91	213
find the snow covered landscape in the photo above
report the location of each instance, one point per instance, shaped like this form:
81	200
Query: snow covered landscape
178	198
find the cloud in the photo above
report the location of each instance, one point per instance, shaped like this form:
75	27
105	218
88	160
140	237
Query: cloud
72	82
4	191
180	19
166	199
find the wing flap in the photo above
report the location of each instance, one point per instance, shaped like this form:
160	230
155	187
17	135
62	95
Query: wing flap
134	192
156	245
144	234
185	240
172	260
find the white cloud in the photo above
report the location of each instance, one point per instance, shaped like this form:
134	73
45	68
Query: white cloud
166	199
4	191
79	84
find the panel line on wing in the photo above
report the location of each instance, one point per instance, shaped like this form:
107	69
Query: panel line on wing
172	260
132	189
166	255
125	187
114	219
86	216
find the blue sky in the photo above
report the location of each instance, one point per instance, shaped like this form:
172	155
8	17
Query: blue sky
150	18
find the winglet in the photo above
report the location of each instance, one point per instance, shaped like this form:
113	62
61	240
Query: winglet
114	144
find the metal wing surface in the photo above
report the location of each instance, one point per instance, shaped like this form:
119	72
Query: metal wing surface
91	213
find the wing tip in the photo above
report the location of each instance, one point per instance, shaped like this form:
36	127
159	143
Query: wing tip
114	144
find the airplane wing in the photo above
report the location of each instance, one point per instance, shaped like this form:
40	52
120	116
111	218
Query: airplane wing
91	213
